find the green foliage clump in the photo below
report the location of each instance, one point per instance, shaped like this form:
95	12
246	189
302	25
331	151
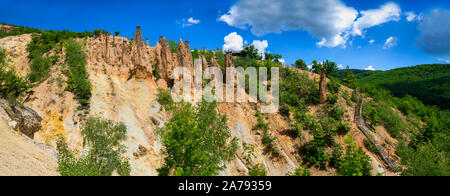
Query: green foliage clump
315	151
300	64
267	140
301	171
78	81
173	46
12	86
334	85
258	170
165	99
332	99
336	112
342	128
41	44
251	52
355	162
197	141
105	153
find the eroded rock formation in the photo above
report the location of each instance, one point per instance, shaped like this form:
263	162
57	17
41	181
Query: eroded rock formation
323	87
22	119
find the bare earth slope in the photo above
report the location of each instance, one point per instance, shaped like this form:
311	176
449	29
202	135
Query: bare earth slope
21	157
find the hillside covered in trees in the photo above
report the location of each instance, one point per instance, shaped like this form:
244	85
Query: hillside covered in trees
430	83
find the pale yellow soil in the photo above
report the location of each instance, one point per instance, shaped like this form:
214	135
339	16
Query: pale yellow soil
19	156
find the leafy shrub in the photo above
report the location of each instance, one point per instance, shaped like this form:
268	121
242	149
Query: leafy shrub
301	171
12	85
165	99
257	170
334	85
173	46
355	162
336	112
314	151
197	141
342	128
332	99
105	152
78	79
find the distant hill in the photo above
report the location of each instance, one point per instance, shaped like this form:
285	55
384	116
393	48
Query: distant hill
429	83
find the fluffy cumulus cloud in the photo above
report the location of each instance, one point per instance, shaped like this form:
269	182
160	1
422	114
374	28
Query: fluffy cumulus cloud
390	42
189	22
340	66
233	43
373	17
371	41
323	19
370	68
261	46
410	16
331	21
435	34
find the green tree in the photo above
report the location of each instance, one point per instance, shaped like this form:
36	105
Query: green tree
105	153
251	52
197	141
300	64
355	162
331	68
349	78
117	33
316	67
173	46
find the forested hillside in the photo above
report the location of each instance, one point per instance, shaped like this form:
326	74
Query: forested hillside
430	83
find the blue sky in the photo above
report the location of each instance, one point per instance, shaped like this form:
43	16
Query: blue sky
291	28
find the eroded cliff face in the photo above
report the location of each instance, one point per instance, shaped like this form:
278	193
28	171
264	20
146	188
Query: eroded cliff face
124	90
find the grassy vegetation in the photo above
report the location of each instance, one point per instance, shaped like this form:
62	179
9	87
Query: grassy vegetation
105	153
78	81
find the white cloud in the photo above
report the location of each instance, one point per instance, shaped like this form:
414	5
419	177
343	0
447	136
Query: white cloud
331	21
323	19
410	16
282	61
390	42
370	68
445	59
189	22
371	41
261	46
233	42
340	66
373	17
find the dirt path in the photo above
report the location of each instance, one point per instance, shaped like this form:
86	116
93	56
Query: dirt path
361	125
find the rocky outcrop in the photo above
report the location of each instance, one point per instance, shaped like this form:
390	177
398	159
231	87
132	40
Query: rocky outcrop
323	87
22	119
228	61
165	63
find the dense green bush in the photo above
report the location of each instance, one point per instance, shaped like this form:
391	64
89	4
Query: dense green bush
173	46
355	162
197	141
334	85
41	44
165	99
105	153
12	86
78	78
258	170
